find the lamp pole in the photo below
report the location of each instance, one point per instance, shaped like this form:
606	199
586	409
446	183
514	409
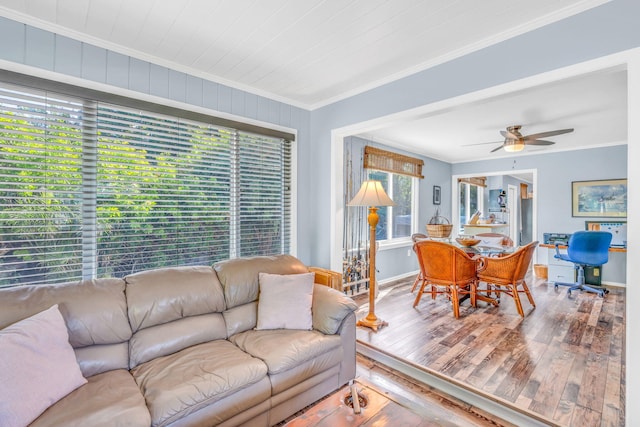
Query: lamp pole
372	321
372	194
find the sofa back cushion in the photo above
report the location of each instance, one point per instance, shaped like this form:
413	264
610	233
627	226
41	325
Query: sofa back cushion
171	309
240	280
95	312
239	277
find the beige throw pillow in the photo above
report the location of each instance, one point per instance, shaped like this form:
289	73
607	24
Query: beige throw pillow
37	367
285	301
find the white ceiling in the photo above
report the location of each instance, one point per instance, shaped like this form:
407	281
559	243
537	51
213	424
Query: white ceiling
306	52
310	53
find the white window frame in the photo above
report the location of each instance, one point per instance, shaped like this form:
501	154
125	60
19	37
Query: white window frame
396	242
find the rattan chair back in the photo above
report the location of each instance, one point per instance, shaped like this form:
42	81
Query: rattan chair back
447	269
508	274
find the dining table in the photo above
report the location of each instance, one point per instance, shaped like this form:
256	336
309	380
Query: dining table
478	251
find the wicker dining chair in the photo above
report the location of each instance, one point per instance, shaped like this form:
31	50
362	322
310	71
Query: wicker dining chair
447	270
416	237
506	275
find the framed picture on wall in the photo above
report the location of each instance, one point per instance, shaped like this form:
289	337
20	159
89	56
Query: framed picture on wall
599	199
436	194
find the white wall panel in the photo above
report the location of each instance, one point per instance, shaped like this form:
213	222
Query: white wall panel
39	48
177	85
237	102
12	34
68	56
251	106
285	115
139	75
224	98
210	95
158	81
94	63
194	90
117	69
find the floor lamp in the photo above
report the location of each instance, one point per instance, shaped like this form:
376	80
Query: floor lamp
372	194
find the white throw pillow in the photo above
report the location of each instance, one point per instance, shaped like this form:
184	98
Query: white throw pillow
491	241
285	301
37	367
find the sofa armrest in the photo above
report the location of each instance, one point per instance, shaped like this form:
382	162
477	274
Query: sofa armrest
329	278
329	308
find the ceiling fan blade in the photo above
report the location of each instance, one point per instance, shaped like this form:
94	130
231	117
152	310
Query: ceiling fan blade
509	135
483	143
545	134
539	142
496	149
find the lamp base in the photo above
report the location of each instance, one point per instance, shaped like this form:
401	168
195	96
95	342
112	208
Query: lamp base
374	323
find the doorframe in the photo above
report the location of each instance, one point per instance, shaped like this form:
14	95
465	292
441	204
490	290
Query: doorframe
514	224
455	205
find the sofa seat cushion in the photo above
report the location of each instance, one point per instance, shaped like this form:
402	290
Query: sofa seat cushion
111	398
292	356
184	382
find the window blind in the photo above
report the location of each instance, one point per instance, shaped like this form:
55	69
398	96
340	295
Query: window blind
40	187
388	161
164	191
94	189
265	196
480	181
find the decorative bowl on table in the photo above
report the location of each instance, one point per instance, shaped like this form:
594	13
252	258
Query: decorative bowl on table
467	241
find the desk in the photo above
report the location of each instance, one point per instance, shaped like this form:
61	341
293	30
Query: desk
614	272
611	249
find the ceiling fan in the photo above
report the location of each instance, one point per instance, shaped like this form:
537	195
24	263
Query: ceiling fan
514	141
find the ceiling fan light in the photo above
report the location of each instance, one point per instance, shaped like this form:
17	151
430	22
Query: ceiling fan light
513	146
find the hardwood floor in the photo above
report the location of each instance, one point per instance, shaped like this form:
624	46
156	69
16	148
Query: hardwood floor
393	400
564	361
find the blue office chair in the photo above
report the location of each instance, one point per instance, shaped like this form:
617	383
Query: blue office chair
586	249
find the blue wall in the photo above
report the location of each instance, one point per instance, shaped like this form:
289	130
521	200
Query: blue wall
555	173
603	30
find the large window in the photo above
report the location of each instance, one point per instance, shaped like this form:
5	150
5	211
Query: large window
396	222
93	189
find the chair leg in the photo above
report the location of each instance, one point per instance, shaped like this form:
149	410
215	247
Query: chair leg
455	301
417	300
474	290
529	296
415	282
516	298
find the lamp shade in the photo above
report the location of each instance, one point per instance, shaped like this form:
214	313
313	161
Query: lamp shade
371	193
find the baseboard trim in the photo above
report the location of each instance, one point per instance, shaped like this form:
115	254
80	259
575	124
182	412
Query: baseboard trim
399	277
495	406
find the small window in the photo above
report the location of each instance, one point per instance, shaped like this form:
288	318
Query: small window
396	222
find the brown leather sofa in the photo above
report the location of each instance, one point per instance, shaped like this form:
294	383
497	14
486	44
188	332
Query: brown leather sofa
177	346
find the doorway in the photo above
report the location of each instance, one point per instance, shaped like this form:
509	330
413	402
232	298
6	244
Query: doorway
522	225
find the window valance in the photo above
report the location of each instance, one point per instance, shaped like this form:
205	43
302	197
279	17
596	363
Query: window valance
388	161
480	181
